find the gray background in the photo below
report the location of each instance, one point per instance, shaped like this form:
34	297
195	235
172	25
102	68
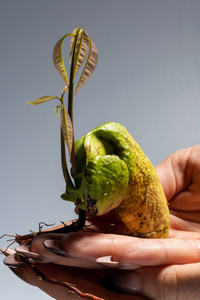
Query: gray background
147	78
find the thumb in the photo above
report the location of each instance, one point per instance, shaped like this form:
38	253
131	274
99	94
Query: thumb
175	282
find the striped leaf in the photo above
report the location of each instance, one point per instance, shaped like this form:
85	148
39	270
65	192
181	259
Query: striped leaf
81	49
89	66
58	59
42	100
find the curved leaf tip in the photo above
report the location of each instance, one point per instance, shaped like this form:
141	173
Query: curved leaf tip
42	100
58	59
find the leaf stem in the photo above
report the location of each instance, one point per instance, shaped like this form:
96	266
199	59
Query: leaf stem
74	162
63	159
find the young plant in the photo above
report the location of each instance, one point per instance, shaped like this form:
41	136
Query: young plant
109	170
82	49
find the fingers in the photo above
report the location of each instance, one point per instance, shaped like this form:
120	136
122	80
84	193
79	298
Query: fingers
176	282
159	282
172	172
67	283
49	249
83	250
130	250
172	282
180	176
78	280
183	229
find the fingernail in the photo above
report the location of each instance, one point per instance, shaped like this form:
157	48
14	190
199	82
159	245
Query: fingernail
7	251
108	261
24	250
54	246
13	261
123	282
18	274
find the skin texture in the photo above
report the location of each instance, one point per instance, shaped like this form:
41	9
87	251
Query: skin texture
168	269
116	174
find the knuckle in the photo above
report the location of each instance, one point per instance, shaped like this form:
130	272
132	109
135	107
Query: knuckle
168	284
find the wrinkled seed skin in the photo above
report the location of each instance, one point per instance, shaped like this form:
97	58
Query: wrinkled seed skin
135	191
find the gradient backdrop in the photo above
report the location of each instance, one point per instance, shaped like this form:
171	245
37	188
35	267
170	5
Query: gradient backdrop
147	78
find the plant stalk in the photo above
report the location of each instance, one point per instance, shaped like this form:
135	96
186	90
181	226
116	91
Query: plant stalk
74	161
63	160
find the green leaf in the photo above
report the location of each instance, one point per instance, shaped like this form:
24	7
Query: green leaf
72	43
81	49
89	66
42	100
58	59
67	129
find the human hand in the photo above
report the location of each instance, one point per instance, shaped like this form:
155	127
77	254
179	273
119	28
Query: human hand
166	268
83	283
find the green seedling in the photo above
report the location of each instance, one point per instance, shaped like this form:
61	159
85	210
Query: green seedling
82	51
108	168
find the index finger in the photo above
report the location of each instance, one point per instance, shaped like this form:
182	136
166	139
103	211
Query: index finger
132	251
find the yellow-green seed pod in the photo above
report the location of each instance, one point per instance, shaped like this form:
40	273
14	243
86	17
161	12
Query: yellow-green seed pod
116	174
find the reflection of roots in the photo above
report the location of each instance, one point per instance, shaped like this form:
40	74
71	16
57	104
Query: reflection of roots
71	287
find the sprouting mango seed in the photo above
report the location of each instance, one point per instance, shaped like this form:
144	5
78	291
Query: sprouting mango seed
116	174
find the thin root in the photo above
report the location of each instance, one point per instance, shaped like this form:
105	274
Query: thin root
71	287
43	223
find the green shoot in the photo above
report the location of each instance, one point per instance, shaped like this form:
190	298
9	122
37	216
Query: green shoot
79	46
